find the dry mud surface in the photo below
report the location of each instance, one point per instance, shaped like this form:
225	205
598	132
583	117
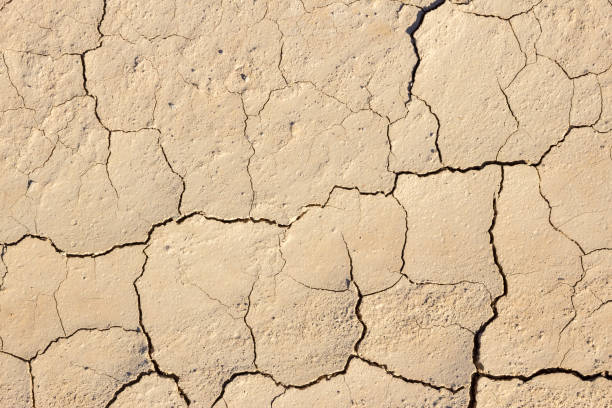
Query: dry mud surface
305	203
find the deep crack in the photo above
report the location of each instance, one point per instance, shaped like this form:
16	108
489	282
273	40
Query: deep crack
150	348
478	335
411	30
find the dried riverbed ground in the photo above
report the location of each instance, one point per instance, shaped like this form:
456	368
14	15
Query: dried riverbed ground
305	203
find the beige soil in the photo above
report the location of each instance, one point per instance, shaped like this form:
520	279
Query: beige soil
305	203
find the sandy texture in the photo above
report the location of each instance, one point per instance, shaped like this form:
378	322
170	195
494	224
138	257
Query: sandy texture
305	203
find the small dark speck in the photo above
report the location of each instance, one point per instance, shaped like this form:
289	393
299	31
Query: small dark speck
430	134
348	282
86	368
138	330
243	76
220	51
142	350
192	69
291	123
129	373
432	150
30	183
170	104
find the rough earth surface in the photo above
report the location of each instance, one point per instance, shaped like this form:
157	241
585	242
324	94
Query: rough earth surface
305	203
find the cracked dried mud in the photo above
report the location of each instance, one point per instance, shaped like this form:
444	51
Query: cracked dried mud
306	203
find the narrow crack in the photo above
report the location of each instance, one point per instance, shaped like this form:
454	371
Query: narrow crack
437	139
83	329
601	305
244	318
520	48
316	288
281	394
502	18
601	100
32	395
51	343
509	105
571	108
161	148
59	316
401	269
280	59
95	98
575	312
2	253
252	147
8	74
106	168
388	127
582	251
582	254
518	125
44	163
88	93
